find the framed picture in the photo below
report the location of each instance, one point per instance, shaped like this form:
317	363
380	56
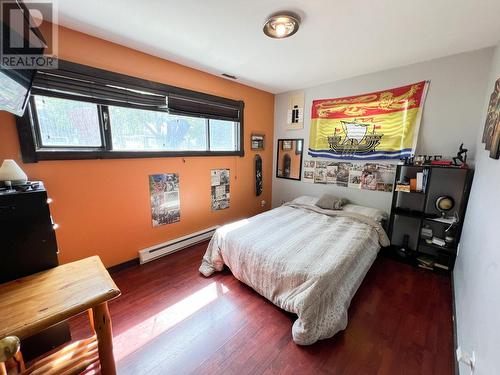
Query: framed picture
288	161
493	120
295	111
286	144
491	134
257	141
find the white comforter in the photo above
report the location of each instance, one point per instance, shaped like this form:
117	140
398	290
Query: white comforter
306	260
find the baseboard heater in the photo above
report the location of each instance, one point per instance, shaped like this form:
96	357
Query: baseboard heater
157	251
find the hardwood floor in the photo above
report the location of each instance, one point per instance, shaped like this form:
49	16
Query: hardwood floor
172	320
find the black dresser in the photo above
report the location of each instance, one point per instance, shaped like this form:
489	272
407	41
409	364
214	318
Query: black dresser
28	245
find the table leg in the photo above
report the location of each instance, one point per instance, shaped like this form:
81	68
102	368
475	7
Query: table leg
103	330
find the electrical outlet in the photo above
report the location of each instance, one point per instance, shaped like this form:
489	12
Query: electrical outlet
466	358
262	203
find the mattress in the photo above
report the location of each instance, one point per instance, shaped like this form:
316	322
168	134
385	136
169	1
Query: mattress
306	260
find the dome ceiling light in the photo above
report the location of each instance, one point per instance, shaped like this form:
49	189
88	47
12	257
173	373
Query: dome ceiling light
281	25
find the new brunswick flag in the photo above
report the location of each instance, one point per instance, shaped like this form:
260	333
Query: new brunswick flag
380	125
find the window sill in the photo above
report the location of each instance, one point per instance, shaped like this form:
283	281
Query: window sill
42	155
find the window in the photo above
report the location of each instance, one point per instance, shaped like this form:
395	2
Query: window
135	129
80	112
67	123
223	135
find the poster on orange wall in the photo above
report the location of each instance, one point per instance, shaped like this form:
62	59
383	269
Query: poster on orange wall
220	189
164	196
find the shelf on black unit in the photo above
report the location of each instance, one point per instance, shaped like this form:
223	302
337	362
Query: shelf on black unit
408	213
392	252
412	192
442	248
435	219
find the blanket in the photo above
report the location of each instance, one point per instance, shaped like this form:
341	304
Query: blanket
304	259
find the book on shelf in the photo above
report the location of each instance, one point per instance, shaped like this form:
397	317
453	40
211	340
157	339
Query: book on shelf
425	267
438	241
425	177
425	261
405	188
442	266
444	220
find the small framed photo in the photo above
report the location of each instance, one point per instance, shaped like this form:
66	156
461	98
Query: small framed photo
257	141
287	145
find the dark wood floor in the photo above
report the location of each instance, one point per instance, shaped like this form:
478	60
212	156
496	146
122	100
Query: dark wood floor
172	320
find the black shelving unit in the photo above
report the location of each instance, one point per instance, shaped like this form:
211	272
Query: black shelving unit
410	212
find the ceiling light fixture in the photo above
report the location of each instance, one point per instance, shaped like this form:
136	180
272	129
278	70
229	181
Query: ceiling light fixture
281	25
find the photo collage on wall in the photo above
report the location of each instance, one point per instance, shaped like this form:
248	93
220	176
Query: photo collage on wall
367	176
165	202
220	189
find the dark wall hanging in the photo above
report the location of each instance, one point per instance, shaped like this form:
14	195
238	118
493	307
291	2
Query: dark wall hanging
258	175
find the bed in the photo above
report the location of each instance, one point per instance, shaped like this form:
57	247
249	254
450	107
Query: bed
304	259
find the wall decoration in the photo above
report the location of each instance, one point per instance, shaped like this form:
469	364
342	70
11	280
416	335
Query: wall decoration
343	174
366	176
355	176
320	172
289	159
385	176
220	189
309	166
164	195
258	175
461	158
379	125
331	173
257	141
286	144
491	134
295	113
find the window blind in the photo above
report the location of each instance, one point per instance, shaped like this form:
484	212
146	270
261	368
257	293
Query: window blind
183	105
79	82
86	88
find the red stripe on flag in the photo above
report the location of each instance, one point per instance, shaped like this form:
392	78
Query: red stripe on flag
375	103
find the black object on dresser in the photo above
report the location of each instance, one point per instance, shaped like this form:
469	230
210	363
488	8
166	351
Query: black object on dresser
429	235
28	245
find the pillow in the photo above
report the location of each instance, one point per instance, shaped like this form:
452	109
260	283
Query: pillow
305	199
331	202
372	213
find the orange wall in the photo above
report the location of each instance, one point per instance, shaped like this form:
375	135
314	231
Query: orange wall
102	206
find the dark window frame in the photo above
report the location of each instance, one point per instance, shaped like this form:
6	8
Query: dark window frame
29	134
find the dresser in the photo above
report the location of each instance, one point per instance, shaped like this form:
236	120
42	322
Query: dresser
28	245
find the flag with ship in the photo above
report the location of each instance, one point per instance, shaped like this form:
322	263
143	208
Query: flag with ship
379	125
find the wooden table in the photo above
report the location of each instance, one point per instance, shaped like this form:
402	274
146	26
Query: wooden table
33	303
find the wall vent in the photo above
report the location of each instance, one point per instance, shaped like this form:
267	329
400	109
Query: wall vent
229	76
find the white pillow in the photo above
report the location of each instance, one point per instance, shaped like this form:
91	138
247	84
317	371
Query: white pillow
372	213
305	199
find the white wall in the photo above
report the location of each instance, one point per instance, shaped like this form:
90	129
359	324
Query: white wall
453	106
477	271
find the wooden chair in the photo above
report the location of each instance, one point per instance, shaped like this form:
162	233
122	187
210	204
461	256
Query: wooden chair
72	359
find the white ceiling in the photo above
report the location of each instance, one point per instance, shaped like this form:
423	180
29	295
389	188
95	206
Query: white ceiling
337	39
